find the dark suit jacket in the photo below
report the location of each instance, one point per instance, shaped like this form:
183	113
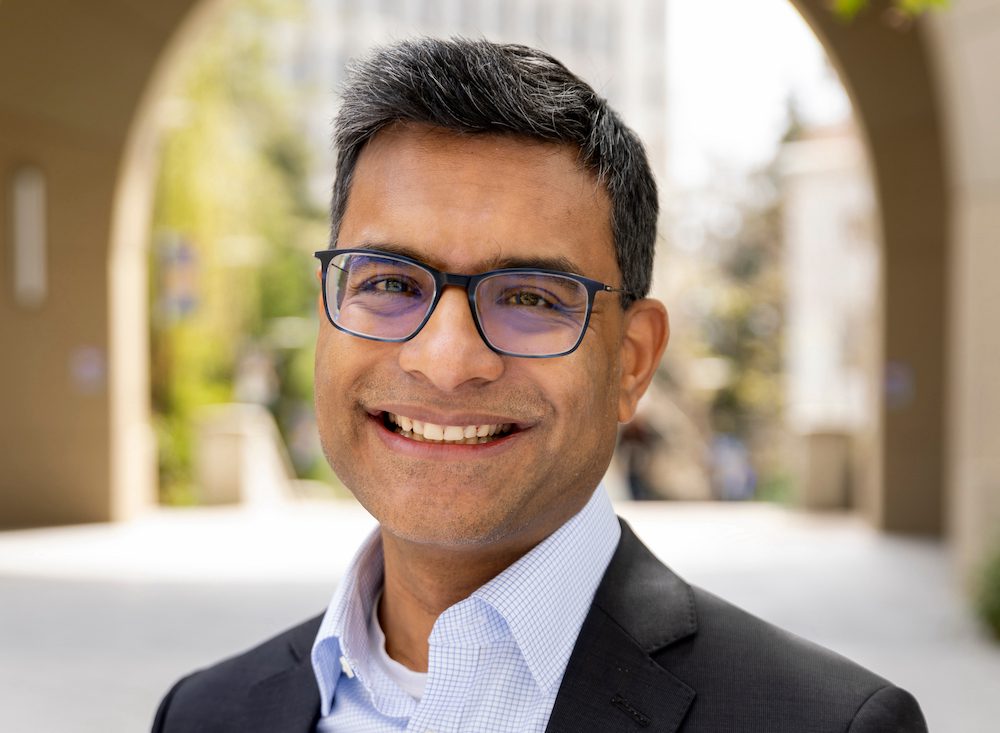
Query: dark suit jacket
654	653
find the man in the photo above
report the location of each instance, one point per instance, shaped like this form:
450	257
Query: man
485	330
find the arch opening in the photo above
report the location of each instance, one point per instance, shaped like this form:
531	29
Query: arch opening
95	154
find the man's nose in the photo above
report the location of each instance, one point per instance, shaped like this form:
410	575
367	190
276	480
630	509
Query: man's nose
448	352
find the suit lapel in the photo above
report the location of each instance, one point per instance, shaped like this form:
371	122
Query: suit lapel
611	682
286	698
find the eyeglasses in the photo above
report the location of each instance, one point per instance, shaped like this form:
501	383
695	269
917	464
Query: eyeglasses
518	311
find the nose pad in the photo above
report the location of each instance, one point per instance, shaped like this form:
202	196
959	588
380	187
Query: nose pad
448	351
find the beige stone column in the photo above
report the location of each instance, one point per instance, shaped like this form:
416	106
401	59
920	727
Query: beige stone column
888	74
74	78
967	53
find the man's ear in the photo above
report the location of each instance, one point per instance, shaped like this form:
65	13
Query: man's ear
644	337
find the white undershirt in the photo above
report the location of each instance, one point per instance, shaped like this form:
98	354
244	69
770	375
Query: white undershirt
410	682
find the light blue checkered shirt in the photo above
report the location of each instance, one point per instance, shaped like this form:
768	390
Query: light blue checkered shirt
496	658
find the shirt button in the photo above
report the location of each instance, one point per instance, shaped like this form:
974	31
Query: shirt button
346	667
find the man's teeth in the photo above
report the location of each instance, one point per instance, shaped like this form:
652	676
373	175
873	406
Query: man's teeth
428	431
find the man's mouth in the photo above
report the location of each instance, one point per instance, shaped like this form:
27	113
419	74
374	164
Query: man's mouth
428	432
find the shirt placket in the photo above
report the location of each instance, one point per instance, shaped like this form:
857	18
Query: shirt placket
448	686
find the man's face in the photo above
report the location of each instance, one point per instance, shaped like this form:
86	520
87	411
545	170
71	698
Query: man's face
467	204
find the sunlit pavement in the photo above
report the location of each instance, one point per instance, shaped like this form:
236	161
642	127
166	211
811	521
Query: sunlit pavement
97	621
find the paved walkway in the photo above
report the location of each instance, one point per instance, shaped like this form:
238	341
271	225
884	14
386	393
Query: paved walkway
97	621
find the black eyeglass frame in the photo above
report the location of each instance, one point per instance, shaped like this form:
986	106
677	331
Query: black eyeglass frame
469	283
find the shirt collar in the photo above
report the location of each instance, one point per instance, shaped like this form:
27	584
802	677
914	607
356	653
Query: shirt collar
344	629
543	597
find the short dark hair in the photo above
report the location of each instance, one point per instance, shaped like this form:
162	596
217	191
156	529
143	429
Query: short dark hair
476	86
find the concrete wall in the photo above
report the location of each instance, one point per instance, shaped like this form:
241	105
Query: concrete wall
966	41
74	80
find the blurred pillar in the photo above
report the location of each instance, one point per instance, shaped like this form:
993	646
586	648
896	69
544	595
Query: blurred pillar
77	81
966	39
240	457
823	470
888	74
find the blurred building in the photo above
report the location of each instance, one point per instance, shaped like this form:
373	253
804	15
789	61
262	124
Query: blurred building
832	333
619	48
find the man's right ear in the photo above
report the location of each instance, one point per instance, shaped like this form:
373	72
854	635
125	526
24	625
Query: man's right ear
647	330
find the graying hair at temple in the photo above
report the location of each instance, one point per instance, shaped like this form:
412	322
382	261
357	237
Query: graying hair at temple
476	86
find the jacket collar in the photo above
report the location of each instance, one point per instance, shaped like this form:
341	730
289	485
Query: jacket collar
611	682
285	696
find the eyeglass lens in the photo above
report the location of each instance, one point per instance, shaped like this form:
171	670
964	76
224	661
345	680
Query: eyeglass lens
530	314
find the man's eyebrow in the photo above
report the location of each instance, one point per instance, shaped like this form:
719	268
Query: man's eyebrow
560	264
557	263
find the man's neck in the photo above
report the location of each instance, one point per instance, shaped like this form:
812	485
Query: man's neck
421	582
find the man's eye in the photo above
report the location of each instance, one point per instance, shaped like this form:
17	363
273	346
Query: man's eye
526	298
389	285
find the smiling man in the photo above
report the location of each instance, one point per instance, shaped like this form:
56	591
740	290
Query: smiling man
485	329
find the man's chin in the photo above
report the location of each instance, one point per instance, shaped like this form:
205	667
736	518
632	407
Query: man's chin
469	484
458	537
444	515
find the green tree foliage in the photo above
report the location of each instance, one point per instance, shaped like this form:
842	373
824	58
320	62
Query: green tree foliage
850	9
233	227
988	595
724	368
743	325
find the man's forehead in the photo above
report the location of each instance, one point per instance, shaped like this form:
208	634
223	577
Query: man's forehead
476	202
430	133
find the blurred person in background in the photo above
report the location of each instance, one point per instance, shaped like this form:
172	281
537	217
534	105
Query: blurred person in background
486	330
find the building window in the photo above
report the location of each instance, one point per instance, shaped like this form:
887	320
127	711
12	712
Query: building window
29	236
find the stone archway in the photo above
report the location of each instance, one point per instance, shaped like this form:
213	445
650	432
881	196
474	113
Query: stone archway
76	89
888	74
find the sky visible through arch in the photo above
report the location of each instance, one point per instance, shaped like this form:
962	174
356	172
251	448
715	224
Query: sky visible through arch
732	65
